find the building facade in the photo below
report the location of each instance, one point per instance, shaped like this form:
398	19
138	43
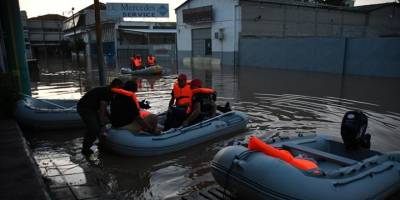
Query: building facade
121	39
292	35
46	40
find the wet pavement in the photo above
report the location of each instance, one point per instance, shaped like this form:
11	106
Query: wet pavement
287	102
19	174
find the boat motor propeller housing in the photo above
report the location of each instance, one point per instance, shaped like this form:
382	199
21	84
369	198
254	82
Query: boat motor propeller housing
354	125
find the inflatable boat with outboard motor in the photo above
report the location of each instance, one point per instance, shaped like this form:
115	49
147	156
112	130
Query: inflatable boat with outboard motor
139	144
151	70
47	114
309	167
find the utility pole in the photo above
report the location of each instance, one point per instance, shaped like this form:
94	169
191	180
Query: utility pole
99	43
76	52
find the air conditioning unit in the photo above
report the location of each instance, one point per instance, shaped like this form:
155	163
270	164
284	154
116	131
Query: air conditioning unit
219	34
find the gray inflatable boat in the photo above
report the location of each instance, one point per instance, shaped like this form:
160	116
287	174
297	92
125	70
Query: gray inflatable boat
342	174
47	114
141	144
152	70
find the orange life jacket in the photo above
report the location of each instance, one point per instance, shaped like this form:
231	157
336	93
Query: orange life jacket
137	62
143	113
183	95
151	60
259	145
203	91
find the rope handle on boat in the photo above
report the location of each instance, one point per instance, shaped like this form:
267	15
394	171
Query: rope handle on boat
49	102
235	162
201	124
370	174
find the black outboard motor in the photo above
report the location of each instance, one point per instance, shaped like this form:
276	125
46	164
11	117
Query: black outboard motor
354	125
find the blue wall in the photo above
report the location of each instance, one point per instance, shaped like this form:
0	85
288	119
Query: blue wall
374	56
367	56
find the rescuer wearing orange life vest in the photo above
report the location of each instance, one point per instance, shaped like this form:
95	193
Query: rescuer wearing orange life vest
136	62
151	60
202	105
126	111
179	104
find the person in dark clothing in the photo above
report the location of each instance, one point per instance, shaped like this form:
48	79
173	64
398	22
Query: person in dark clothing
203	103
92	108
126	112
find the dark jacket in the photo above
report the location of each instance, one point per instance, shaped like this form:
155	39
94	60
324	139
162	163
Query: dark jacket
123	111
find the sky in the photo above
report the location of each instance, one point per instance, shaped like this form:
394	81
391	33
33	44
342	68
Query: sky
63	7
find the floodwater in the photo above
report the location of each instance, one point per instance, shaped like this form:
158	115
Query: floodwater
288	102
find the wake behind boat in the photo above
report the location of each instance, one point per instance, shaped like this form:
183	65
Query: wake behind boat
152	70
139	144
47	114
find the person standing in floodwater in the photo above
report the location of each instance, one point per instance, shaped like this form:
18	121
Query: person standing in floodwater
92	108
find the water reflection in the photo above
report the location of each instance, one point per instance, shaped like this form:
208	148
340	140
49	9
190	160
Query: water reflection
287	102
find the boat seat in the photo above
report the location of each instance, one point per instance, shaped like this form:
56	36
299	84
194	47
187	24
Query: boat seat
321	154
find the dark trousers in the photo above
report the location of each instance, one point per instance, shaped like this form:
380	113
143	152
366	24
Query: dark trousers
175	117
93	126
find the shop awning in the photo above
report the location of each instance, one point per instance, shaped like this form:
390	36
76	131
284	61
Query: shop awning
148	30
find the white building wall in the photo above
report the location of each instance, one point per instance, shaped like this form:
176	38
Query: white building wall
226	17
184	31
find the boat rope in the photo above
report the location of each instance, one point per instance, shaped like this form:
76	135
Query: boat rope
370	174
49	102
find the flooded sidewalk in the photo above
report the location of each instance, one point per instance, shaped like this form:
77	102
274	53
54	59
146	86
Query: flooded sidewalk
41	177
19	174
68	180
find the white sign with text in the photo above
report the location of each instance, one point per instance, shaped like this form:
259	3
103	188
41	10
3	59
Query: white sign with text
120	10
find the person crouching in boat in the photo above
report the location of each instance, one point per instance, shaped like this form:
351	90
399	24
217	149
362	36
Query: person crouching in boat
202	105
151	60
178	109
126	112
92	108
136	62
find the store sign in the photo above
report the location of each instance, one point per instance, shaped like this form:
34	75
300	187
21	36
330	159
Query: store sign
120	10
198	15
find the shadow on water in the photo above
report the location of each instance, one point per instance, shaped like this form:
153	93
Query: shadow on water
282	101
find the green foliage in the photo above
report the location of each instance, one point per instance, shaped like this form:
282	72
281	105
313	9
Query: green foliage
8	94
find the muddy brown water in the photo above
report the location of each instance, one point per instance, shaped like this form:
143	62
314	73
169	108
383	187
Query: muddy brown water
288	102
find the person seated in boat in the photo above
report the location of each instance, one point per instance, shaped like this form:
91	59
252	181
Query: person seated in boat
136	62
178	108
92	108
126	111
202	105
151	60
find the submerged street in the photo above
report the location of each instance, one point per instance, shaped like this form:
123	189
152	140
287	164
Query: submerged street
277	101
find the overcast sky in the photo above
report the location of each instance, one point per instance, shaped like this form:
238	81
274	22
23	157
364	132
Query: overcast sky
41	7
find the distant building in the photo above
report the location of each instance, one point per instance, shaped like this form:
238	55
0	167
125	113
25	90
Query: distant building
121	39
229	31
46	37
